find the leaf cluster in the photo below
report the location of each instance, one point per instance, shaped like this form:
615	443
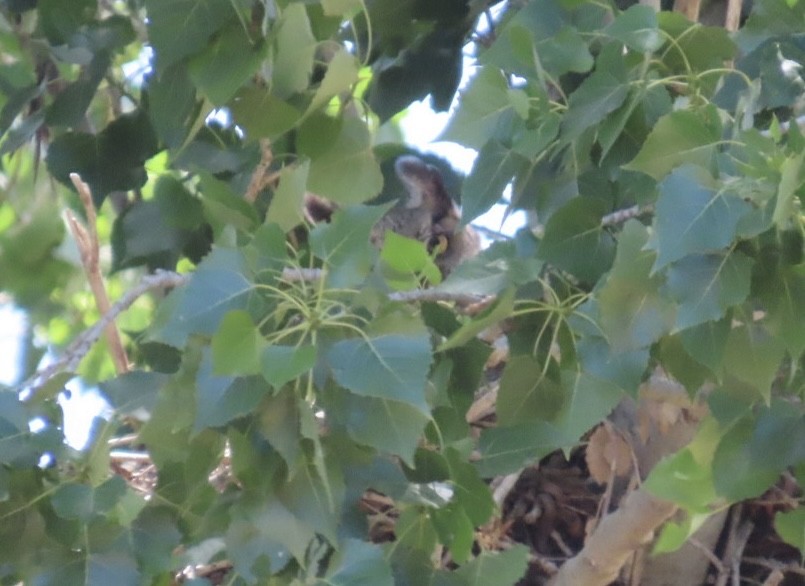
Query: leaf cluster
272	408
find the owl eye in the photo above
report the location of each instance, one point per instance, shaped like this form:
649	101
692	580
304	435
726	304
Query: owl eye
437	245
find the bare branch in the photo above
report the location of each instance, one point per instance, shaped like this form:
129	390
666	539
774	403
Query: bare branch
619	535
89	247
84	341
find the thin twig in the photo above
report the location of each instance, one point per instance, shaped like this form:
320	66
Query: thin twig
89	247
259	178
84	341
613	219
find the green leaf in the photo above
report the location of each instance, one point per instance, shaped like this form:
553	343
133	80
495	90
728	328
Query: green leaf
575	240
358	563
294	52
343	244
503	567
282	364
691	218
220	399
61	19
172	104
706	286
788	205
737	474
279	423
786	306
455	530
527	392
480	109
496	268
83	502
218	286
155	535
790	525
624	369
506	449
469	490
346	170
236	345
111	161
637	28
587	401
706	342
286	205
406	261
431	65
683	136
178	28
141	236
226	63
261	536
134	393
491	173
601	93
754	356
633	313
540	38
390	367
501	308
683	478
341	75
262	114
693	47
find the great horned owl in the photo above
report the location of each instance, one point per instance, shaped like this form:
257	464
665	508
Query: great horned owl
426	214
429	215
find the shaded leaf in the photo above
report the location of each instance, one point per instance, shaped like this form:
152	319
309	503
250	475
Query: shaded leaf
178	28
391	367
706	286
236	345
342	244
491	173
683	136
506	449
346	170
282	364
633	313
575	240
692	218
262	114
480	109
225	64
637	28
359	564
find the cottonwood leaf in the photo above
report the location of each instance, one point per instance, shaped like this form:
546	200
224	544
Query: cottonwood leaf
359	563
632	311
480	109
294	52
692	218
637	28
683	136
178	28
506	449
575	241
389	426
387	367
706	286
491	173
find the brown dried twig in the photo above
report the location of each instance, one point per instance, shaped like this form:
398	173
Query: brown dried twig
87	240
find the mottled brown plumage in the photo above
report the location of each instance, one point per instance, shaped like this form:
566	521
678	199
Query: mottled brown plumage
427	214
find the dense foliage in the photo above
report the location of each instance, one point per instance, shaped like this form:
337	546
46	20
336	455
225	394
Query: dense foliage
658	161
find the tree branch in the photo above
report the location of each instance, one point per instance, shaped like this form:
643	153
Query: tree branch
88	246
618	536
84	341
